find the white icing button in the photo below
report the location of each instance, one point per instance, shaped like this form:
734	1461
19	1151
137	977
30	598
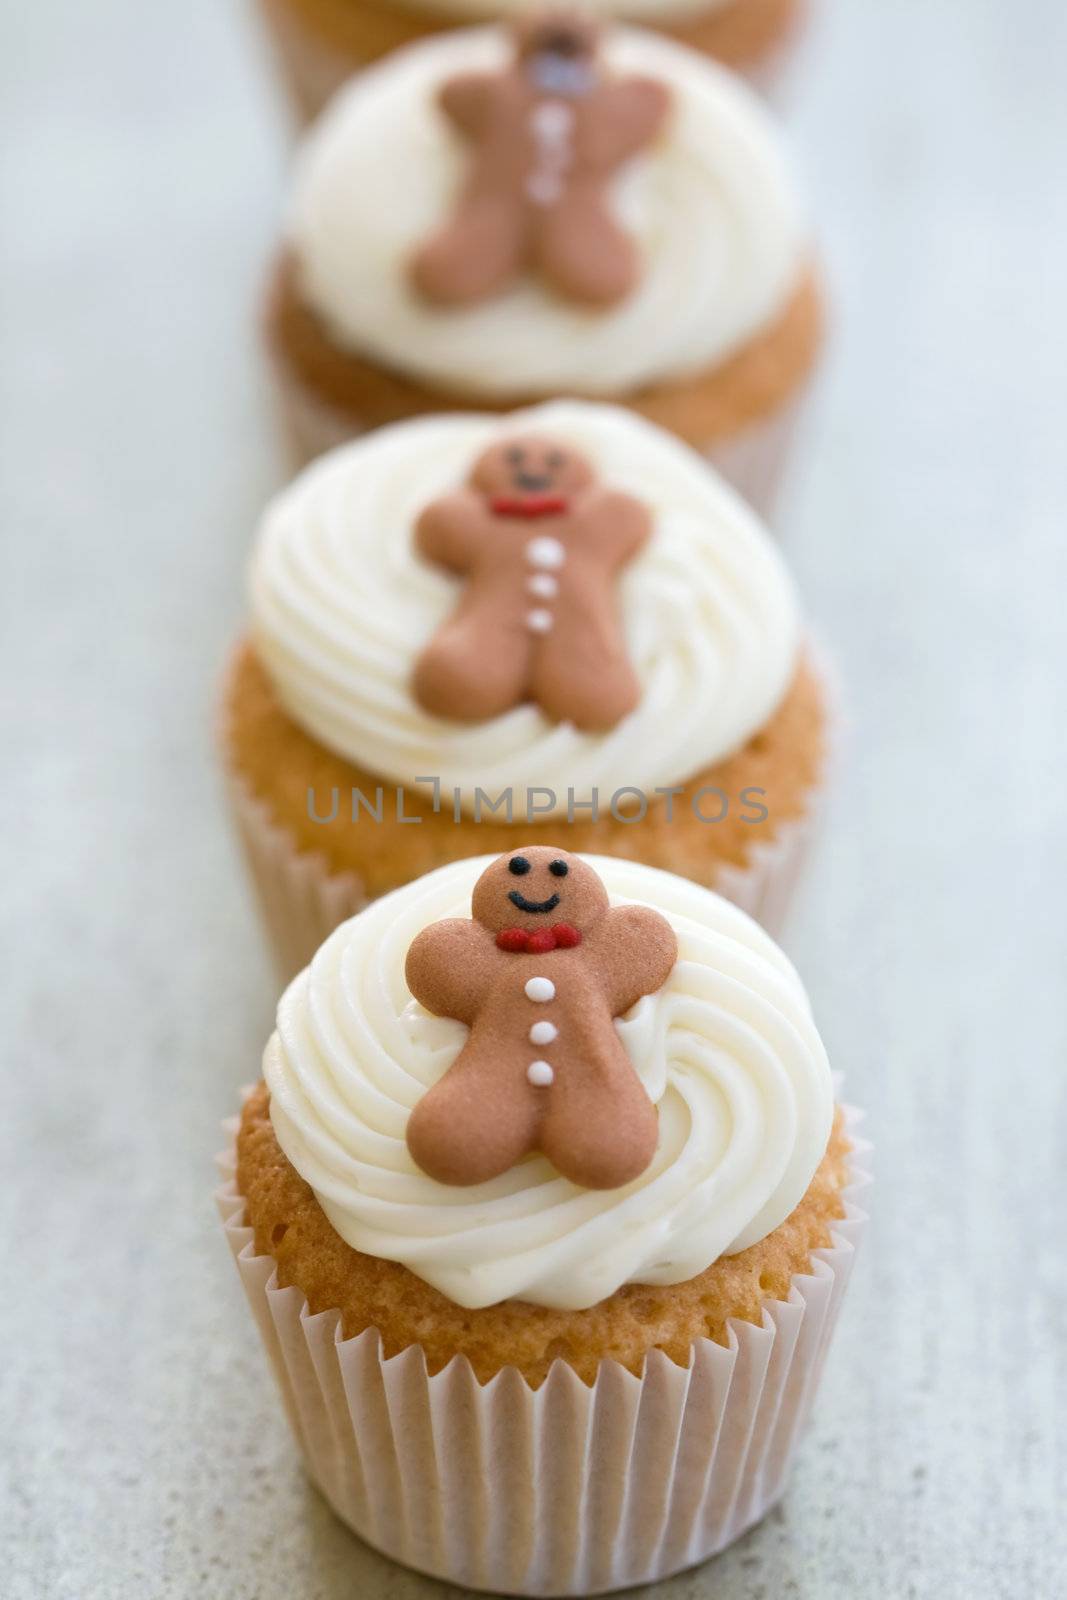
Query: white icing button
544	551
543	584
552	121
539	620
543	1032
540	1074
540	989
543	188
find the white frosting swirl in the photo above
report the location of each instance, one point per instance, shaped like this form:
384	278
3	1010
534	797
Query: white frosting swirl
727	1050
342	604
711	205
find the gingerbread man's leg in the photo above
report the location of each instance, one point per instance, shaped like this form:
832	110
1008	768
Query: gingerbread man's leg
475	667
476	254
581	670
600	1129
583	251
477	1122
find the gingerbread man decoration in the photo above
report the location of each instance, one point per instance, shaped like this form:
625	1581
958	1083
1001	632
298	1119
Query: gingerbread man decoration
540	543
538	976
547	137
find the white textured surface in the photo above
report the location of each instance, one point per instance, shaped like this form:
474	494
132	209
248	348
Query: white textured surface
138	181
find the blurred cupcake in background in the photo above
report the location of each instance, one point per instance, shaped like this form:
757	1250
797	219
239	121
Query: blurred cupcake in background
469	628
546	1244
502	215
319	43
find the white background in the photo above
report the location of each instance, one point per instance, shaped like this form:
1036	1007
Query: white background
141	157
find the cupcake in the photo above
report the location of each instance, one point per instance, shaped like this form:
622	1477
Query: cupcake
546	1240
318	43
469	628
499	216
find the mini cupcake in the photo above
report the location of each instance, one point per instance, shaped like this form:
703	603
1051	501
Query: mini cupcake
469	627
319	43
546	1240
500	215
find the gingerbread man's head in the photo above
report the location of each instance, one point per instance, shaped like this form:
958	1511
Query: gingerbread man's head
530	464
535	887
559	46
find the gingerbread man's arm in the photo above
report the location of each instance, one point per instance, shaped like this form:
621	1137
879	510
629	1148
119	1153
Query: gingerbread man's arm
634	111
634	949
450	531
466	99
619	523
449	966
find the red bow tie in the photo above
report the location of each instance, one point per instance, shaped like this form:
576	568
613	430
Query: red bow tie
519	942
528	505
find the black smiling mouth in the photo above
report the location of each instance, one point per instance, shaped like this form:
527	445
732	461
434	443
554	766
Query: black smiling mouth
533	906
532	482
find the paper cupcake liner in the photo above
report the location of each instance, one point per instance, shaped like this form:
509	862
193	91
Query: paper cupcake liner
754	460
568	1489
312	71
772	74
302	901
771	77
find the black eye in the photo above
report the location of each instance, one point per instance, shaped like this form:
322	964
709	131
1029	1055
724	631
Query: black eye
558	869
519	865
515	455
556	459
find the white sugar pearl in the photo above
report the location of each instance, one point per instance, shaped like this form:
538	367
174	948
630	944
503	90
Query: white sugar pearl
544	551
543	1032
552	121
543	188
539	620
540	1074
540	989
542	584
